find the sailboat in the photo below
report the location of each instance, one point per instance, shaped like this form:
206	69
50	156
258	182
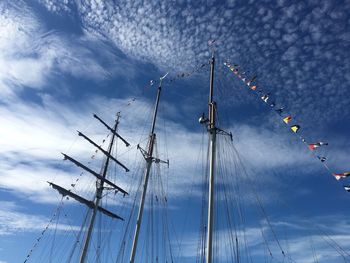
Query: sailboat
94	245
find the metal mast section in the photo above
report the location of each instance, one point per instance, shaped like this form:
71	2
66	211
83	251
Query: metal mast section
212	154
149	160
99	192
212	132
101	180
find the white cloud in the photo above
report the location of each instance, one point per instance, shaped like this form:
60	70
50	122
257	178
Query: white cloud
12	221
299	239
288	48
31	56
57	6
171	37
33	135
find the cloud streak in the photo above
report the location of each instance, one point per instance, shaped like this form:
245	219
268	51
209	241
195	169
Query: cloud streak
297	50
33	56
12	221
33	135
300	241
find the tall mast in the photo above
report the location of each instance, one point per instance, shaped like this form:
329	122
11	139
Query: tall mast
98	195
212	154
101	180
149	159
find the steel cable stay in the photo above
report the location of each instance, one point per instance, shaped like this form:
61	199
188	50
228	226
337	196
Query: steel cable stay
70	194
223	196
129	103
332	243
128	224
232	225
326	237
314	255
87	190
163	207
44	231
110	229
54	236
201	247
123	244
126	235
101	237
199	160
151	244
57	211
106	231
258	202
222	164
240	167
226	181
78	237
239	206
63	245
231	245
164	199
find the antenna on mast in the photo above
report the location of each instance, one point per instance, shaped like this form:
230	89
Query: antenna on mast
161	79
211	44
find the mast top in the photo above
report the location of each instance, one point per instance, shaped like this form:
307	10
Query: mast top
211	44
161	79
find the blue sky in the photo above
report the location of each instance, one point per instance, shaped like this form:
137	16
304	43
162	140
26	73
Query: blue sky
62	61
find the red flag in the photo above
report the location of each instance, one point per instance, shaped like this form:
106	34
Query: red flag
313	146
341	175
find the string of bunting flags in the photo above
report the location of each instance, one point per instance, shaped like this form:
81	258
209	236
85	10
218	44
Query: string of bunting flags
250	82
60	206
127	104
180	75
166	80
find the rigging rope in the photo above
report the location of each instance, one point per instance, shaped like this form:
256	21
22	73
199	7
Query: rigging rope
44	231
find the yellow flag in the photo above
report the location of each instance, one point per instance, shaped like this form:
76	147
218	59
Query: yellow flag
295	128
287	119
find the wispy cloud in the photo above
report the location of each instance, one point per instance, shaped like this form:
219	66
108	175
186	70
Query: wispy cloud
33	136
31	56
299	240
12	221
57	7
297	49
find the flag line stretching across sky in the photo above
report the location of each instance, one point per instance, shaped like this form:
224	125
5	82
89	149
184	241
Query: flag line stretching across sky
249	81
